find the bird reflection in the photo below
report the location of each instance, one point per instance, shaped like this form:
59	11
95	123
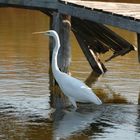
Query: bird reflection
68	123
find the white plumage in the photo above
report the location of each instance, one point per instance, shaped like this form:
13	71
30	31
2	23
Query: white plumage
73	88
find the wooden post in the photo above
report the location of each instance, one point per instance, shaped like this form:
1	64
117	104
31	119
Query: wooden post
138	40
64	57
61	24
139	99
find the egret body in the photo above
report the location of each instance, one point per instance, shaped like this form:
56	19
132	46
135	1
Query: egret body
74	89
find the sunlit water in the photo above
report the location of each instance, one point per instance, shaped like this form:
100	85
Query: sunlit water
25	112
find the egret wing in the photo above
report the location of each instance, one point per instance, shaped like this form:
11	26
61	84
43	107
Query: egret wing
76	89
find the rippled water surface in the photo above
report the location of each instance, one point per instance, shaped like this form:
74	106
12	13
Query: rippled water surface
25	110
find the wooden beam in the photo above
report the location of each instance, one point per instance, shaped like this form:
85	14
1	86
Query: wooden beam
30	4
64	55
61	24
93	31
111	35
138	41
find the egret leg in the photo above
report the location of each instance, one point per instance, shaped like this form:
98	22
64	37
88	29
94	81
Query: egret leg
73	102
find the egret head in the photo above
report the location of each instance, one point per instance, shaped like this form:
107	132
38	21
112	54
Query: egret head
48	33
52	34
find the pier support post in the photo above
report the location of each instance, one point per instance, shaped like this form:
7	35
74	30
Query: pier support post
61	24
138	41
139	99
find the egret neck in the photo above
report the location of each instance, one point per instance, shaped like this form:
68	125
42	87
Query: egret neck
55	68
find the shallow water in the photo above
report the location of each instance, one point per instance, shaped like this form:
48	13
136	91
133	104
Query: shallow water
25	112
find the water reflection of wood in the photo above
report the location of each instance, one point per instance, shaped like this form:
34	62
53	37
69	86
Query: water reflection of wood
111	96
92	78
106	96
139	99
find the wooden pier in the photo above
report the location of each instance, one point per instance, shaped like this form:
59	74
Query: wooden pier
87	20
91	16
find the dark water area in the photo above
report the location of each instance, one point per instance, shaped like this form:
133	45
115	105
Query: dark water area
25	110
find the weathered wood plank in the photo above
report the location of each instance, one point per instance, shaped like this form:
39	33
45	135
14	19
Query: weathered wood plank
116	43
86	40
102	34
92	59
105	6
100	17
99	39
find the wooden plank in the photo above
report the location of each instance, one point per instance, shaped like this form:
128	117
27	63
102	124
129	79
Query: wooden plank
112	36
104	5
102	33
116	43
100	17
92	58
100	38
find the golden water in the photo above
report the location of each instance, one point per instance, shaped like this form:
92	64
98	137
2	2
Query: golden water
25	112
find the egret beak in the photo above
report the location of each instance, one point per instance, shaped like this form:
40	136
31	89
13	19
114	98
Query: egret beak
42	32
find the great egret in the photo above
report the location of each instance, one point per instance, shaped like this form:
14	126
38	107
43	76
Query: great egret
73	88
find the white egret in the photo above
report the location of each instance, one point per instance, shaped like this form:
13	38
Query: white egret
74	89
